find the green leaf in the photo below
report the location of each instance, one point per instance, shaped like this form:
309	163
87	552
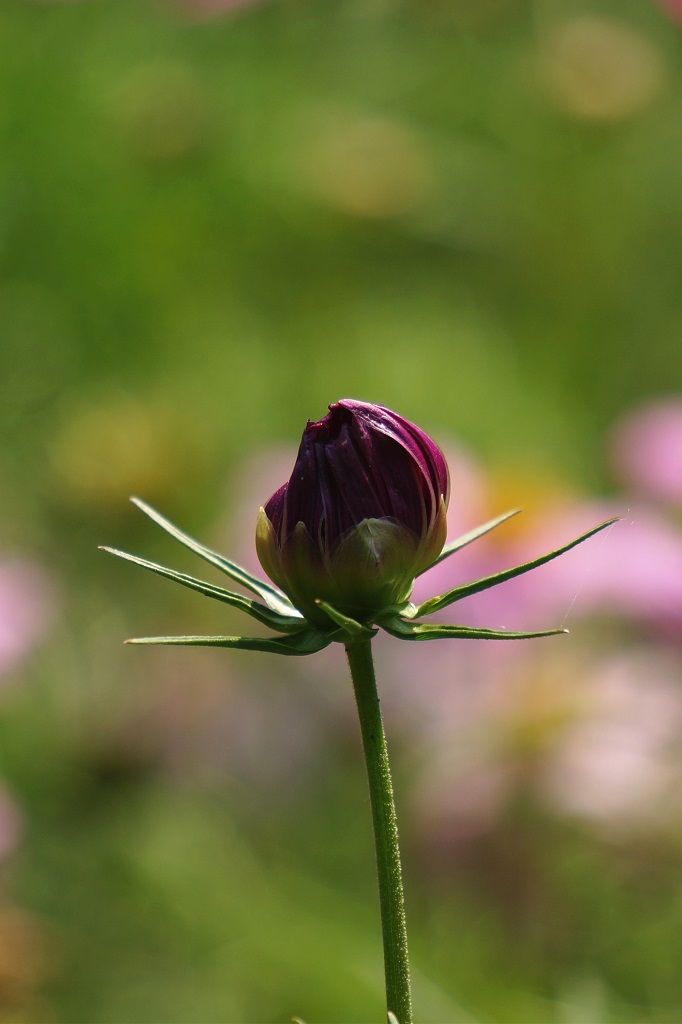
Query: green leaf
434	604
348	625
468	538
308	641
435	631
273	596
245	604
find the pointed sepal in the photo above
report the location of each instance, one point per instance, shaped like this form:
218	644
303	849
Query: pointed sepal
435	631
354	630
258	611
273	596
435	604
308	641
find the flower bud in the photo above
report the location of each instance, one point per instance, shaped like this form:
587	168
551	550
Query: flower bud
362	514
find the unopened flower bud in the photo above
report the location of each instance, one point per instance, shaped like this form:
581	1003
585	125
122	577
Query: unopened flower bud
362	514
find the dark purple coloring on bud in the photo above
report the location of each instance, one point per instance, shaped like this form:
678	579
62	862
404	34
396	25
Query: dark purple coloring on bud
362	514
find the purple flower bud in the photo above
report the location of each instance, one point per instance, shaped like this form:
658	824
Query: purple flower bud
362	514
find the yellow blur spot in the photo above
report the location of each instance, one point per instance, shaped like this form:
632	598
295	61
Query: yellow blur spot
599	69
540	704
366	166
161	110
536	490
105	451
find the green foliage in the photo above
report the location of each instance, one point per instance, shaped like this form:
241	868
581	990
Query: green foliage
209	229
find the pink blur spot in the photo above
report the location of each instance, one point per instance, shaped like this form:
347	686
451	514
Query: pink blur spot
647	446
673	7
26	611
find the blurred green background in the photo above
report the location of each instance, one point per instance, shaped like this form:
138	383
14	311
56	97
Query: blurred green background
215	219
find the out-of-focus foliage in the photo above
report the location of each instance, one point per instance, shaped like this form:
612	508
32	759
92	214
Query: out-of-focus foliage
216	218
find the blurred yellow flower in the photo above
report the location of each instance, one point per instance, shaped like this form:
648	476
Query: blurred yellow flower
365	165
599	69
119	446
161	110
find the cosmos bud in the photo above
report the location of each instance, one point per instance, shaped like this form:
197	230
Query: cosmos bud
362	514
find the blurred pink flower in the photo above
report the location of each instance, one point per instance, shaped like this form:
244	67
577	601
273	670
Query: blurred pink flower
673	7
633	570
10	823
253	483
214	8
647	447
26	611
621	761
593	735
598	741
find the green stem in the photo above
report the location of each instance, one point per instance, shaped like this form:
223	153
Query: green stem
394	929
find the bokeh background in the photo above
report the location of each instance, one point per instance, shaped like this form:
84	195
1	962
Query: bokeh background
215	218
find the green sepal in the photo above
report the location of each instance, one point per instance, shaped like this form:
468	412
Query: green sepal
351	627
308	641
434	604
468	538
254	608
273	596
435	631
407	610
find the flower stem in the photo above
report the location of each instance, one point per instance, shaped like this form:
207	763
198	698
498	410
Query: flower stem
391	899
